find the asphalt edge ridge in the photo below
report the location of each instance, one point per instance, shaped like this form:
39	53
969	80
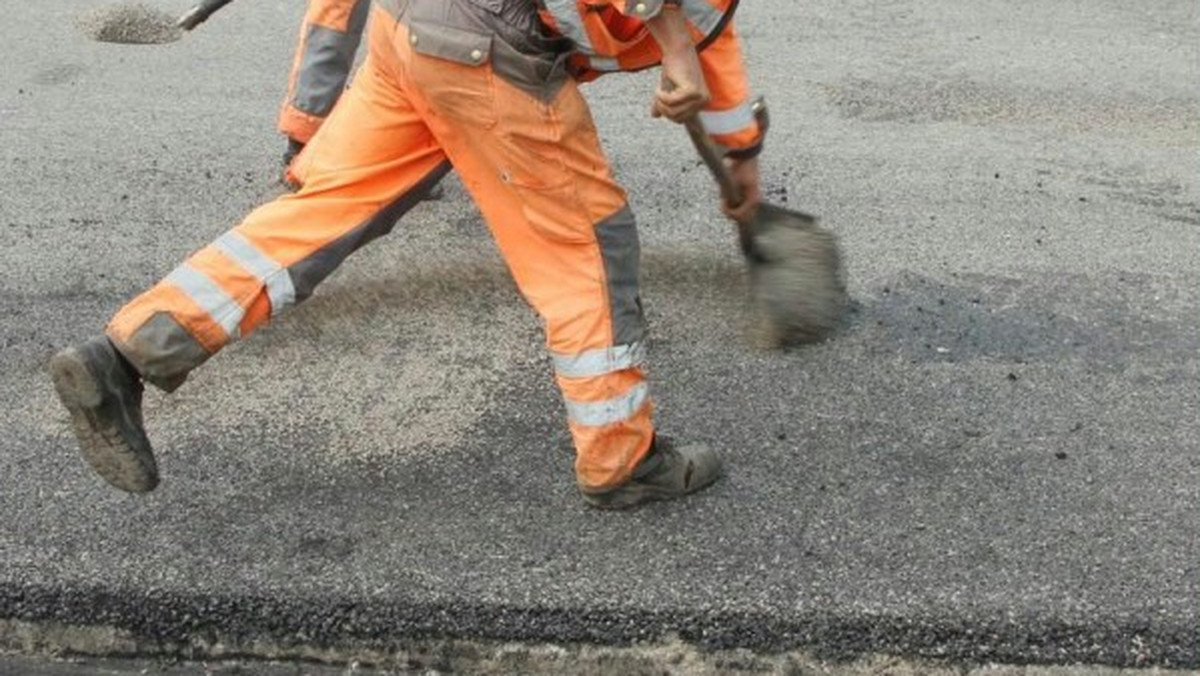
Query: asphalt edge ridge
107	622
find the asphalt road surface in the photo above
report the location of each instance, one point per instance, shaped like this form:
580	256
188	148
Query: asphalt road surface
997	459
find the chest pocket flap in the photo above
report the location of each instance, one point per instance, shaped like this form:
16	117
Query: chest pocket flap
452	44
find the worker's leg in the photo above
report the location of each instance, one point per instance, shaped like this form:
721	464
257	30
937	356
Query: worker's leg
370	164
329	38
372	161
541	179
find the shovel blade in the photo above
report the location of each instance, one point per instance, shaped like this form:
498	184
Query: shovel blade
795	270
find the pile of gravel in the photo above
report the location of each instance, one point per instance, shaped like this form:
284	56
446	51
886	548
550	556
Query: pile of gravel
129	23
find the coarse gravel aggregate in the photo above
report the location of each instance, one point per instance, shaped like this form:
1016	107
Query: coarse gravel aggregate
132	23
994	460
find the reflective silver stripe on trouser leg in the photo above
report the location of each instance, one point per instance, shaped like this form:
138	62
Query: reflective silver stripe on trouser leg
161	349
210	297
599	362
620	250
326	62
275	278
610	411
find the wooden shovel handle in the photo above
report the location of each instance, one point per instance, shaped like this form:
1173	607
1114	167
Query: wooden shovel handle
729	190
713	159
710	154
200	13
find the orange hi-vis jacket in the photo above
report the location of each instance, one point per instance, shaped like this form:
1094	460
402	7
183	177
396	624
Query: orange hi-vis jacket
612	36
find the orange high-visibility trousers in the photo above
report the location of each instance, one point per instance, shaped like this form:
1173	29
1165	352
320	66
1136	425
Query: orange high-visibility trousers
542	182
329	37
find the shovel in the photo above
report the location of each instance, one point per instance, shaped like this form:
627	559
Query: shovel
794	265
200	13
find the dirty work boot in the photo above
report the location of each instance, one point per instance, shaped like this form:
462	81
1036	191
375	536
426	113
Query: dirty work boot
104	397
664	474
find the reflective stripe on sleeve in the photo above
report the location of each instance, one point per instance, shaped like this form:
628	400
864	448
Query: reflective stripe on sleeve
599	362
615	410
211	298
727	121
643	8
274	277
566	18
602	63
570	25
702	15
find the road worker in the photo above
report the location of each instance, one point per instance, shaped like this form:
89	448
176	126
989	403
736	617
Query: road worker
488	88
329	37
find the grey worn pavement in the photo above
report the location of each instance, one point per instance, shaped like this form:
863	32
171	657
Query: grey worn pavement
997	459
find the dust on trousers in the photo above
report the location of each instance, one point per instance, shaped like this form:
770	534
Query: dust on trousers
439	89
329	38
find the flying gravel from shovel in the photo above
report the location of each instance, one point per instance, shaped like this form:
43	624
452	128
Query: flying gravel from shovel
797	291
135	23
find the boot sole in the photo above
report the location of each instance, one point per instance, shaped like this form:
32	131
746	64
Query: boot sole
634	496
100	441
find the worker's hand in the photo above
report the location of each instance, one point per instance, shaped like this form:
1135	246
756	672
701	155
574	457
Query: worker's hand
745	176
682	91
